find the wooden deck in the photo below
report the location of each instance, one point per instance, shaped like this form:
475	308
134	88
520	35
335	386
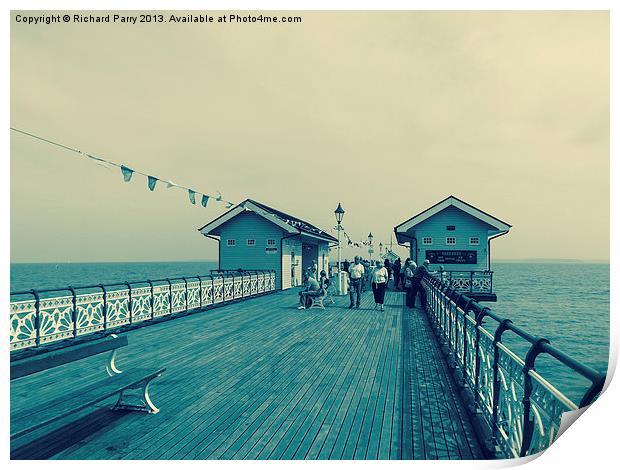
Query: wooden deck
259	379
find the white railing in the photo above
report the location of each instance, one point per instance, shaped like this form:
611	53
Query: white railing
47	318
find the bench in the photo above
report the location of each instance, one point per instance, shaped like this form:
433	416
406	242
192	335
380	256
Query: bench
316	301
132	387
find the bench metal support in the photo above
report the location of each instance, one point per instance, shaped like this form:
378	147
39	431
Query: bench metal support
137	402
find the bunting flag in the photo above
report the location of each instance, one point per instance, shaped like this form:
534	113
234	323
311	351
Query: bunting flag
127	173
152	182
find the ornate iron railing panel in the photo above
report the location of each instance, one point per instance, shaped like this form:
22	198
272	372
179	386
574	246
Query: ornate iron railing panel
161	301
117	308
178	297
56	319
237	287
466	281
23	324
522	409
140	304
98	308
89	315
206	291
193	295
228	288
218	290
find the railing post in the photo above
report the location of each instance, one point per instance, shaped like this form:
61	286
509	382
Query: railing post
466	311
471	281
497	338
479	319
169	296
37	317
73	311
130	307
200	289
105	307
152	299
185	280
456	329
528	422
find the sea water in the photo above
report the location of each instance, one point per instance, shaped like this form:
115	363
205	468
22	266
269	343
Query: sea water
566	303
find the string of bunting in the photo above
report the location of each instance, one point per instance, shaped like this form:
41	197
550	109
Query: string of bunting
128	173
350	241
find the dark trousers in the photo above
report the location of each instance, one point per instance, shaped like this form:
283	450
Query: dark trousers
378	290
355	288
416	288
410	295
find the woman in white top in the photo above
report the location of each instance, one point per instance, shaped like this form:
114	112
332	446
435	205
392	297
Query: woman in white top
379	282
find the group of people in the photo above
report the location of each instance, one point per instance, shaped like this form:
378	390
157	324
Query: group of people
407	277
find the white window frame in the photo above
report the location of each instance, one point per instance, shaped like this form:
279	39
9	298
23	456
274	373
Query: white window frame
231	242
471	240
450	238
252	240
271	242
427	240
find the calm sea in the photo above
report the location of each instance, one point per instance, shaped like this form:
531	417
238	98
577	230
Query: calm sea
567	303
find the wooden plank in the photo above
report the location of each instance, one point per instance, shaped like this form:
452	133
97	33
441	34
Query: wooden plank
308	422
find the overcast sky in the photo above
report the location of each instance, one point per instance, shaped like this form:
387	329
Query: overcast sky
386	113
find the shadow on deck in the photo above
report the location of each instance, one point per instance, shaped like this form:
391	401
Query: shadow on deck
259	379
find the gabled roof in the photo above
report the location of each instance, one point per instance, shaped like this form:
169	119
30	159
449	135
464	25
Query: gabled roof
459	204
288	223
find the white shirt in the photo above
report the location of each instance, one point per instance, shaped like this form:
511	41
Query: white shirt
356	271
379	275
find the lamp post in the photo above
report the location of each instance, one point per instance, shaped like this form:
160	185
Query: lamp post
370	250
339	212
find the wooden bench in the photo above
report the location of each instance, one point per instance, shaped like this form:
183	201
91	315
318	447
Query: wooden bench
40	412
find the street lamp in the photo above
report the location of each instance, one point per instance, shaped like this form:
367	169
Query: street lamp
370	250
339	212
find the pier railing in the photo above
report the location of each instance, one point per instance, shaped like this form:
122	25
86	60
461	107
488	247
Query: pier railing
520	407
41	317
467	281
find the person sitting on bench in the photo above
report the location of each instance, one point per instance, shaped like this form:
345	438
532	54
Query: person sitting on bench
312	288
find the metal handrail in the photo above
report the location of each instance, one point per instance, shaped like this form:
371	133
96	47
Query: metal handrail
44	320
450	310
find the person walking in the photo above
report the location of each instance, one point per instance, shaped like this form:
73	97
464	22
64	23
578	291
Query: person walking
345	266
356	278
388	266
416	287
379	283
408	274
396	275
402	274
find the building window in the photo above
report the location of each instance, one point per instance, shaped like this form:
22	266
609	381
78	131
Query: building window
450	228
427	241
271	241
474	240
251	242
231	242
450	240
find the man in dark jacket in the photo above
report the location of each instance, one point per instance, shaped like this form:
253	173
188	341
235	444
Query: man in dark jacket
418	275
